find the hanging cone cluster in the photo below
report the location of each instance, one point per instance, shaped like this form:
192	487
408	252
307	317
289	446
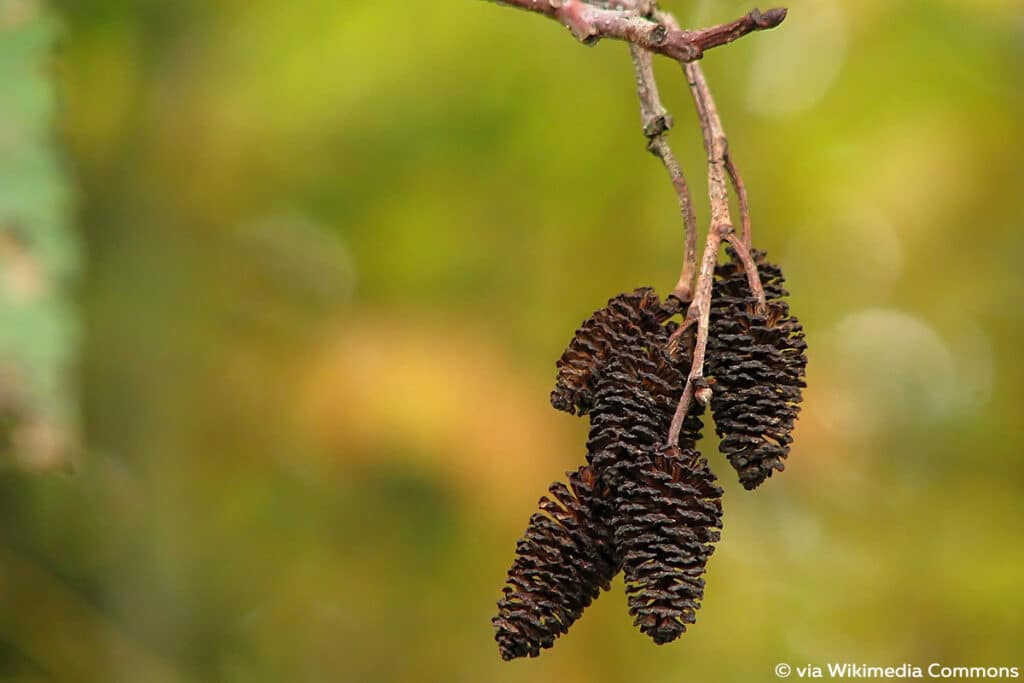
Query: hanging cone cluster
647	502
616	370
758	366
640	505
650	509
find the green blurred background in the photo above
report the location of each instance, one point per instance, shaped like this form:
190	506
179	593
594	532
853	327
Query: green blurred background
331	252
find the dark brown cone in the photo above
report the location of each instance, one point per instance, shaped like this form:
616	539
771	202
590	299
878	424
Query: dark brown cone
669	515
634	401
624	321
758	364
561	565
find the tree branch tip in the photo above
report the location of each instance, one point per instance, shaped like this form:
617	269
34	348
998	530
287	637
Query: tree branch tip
769	18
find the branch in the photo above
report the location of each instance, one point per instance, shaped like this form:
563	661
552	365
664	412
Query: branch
650	30
656	124
590	24
750	267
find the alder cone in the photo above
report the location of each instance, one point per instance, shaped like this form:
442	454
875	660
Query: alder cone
669	515
562	563
631	386
758	365
634	401
623	322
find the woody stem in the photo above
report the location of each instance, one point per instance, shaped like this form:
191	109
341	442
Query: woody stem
656	123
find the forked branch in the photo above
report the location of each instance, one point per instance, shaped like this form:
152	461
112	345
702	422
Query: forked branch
627	21
650	30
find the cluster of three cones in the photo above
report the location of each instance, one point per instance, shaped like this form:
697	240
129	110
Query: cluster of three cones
651	510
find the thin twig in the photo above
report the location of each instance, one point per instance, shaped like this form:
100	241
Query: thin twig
750	267
656	124
590	23
741	197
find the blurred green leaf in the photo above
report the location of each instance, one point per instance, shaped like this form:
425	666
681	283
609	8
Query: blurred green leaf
39	254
